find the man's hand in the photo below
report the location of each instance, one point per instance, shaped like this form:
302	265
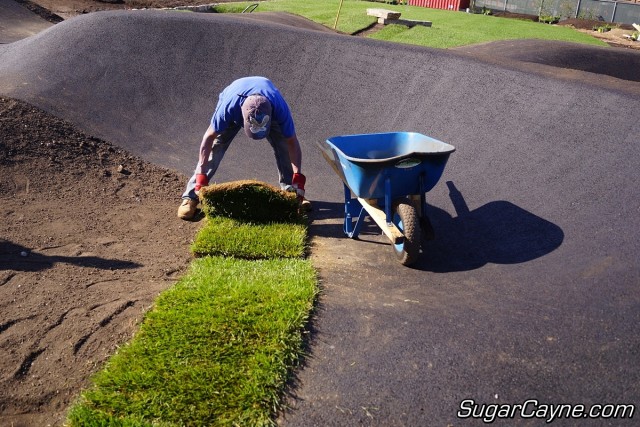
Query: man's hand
201	181
298	182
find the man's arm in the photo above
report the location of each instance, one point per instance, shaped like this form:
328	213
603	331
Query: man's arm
205	151
295	154
205	148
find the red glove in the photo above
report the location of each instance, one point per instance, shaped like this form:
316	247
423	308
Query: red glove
201	181
298	182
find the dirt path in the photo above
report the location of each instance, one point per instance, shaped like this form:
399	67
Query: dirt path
66	9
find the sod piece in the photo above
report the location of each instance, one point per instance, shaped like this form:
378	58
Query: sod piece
216	349
219	346
229	237
250	201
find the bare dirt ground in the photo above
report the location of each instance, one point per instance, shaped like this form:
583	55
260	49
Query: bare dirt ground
55	10
88	238
615	37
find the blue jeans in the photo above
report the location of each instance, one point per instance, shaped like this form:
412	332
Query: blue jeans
219	148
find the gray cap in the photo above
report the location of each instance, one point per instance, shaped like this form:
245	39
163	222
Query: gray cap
256	111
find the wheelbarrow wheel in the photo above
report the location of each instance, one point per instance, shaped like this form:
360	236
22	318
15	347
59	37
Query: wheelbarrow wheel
405	217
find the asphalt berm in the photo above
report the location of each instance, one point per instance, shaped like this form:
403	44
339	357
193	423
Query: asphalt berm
529	291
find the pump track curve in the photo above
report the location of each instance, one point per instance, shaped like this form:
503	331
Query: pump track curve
530	288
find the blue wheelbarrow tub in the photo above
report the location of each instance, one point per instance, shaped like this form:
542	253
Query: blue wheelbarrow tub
365	161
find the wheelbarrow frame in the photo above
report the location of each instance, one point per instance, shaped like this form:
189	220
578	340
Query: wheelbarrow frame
380	210
368	164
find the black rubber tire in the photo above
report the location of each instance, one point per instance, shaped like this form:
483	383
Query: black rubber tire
405	217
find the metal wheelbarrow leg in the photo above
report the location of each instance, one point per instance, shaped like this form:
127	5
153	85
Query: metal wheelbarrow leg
399	220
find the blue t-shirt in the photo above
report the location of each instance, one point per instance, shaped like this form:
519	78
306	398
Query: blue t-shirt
229	108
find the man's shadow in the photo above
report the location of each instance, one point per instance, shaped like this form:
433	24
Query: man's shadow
18	258
498	232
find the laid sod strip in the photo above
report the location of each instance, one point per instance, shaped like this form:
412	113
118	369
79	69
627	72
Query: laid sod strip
228	237
251	201
252	220
215	350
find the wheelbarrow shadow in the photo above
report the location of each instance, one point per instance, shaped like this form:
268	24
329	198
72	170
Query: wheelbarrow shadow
498	232
327	220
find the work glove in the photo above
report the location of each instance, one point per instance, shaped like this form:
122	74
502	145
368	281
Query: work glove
297	183
201	181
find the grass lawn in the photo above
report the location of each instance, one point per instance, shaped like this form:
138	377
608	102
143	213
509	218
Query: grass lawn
228	237
449	29
218	348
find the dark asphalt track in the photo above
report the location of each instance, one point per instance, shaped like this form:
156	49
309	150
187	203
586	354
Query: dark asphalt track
531	288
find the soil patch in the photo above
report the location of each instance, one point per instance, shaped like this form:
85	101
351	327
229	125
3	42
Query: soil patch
614	37
89	238
66	9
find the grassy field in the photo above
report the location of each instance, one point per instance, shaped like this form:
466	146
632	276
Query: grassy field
449	29
218	348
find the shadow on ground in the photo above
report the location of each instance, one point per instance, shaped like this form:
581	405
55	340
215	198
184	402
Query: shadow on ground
498	232
20	258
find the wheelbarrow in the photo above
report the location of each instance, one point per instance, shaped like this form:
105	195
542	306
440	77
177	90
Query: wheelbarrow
386	176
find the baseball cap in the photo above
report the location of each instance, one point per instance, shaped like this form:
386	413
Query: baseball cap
256	111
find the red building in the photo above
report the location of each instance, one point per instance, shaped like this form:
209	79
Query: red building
441	4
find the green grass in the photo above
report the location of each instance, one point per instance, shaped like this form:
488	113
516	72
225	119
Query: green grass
449	29
215	350
251	201
218	348
353	15
228	237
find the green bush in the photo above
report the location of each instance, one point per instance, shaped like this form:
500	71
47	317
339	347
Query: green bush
548	19
602	28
